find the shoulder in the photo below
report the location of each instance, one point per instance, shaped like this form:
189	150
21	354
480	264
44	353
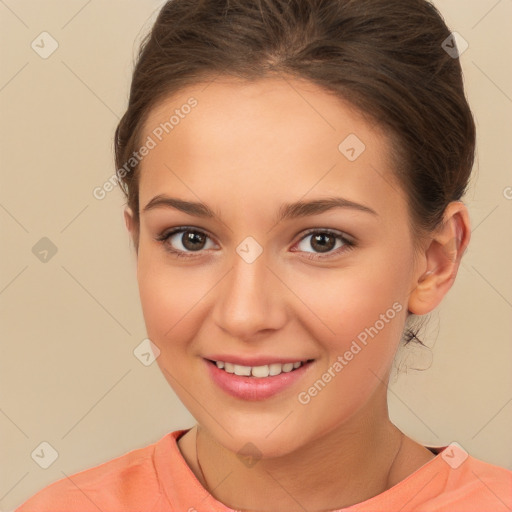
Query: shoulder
124	483
481	475
452	481
472	484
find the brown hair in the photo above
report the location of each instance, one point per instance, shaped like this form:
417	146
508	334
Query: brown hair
383	56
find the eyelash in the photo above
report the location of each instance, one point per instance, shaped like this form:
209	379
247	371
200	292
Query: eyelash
348	244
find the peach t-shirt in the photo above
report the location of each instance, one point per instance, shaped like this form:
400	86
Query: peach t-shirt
156	478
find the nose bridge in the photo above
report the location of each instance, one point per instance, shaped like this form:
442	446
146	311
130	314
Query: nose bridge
248	301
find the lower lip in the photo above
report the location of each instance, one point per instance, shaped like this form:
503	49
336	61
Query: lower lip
255	388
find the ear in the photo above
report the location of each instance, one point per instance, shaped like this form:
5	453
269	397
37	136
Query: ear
442	257
129	220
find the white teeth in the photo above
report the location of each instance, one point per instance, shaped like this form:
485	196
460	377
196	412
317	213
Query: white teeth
258	371
242	370
275	368
287	367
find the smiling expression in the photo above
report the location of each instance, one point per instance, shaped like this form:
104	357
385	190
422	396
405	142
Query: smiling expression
288	249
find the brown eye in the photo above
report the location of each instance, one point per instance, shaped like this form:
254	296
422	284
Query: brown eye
184	240
324	242
193	240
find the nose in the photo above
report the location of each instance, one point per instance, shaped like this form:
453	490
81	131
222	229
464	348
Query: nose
250	299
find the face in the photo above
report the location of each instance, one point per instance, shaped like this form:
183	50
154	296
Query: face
328	282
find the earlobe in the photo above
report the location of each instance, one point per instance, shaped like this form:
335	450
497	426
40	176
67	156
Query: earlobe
442	256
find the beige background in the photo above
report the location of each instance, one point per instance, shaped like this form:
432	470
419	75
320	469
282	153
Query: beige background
68	375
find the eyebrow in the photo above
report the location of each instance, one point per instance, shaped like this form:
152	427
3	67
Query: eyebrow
286	211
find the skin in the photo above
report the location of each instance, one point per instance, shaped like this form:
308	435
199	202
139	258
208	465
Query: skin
244	150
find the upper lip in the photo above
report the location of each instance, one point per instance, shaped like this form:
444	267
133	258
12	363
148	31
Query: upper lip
255	361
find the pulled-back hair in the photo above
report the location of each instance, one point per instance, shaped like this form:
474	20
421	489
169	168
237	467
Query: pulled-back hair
385	57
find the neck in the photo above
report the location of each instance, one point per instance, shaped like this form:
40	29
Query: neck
347	465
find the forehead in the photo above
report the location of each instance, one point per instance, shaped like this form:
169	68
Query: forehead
274	136
298	110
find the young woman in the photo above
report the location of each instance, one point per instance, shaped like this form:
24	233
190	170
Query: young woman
294	172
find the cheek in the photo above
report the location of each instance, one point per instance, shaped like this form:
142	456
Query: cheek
170	298
341	304
362	320
359	315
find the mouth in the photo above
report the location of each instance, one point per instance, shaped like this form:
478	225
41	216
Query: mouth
254	383
259	372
